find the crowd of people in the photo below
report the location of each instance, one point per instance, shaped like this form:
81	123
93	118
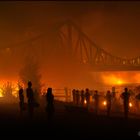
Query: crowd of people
82	97
32	103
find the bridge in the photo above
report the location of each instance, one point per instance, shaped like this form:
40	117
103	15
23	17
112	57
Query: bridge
68	37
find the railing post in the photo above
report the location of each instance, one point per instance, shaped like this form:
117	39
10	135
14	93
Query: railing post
66	93
70	95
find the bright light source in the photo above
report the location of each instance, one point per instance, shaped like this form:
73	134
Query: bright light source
85	101
119	82
130	104
1	95
104	103
112	79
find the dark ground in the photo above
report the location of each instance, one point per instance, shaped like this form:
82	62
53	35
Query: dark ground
66	124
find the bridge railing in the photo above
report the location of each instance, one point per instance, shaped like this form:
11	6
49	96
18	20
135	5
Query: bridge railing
63	94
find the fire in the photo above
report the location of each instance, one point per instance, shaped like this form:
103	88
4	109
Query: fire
119	82
1	95
14	93
112	80
12	85
130	104
104	103
85	102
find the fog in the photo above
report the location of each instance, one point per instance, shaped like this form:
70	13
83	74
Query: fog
114	26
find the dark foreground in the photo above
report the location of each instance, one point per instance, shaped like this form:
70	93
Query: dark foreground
66	124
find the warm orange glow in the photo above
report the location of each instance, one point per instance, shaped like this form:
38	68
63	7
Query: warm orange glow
104	103
14	87
130	104
112	80
14	93
119	82
1	95
85	102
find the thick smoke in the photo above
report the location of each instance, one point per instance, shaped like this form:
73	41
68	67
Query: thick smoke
113	26
31	72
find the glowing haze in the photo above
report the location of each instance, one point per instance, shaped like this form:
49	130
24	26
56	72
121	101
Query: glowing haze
118	78
114	26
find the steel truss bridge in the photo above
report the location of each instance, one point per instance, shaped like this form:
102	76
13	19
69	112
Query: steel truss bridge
68	37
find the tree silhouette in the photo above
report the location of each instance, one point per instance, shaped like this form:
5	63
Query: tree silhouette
30	72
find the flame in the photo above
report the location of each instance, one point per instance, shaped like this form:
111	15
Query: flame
112	80
119	78
15	88
119	82
130	104
14	93
85	101
1	95
104	103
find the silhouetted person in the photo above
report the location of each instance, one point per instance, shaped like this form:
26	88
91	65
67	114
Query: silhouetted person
137	100
125	96
21	100
74	95
30	97
87	96
109	100
113	93
77	97
36	98
50	103
82	97
96	98
138	96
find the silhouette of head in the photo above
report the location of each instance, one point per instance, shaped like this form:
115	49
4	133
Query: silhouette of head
108	92
87	90
82	91
96	91
21	90
77	91
73	90
126	89
49	90
29	84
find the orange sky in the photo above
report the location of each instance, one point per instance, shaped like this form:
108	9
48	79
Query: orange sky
114	26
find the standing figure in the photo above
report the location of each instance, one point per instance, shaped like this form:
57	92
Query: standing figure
77	94
125	96
30	97
96	98
138	101
87	96
74	96
36	98
50	103
109	100
21	100
114	92
82	97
